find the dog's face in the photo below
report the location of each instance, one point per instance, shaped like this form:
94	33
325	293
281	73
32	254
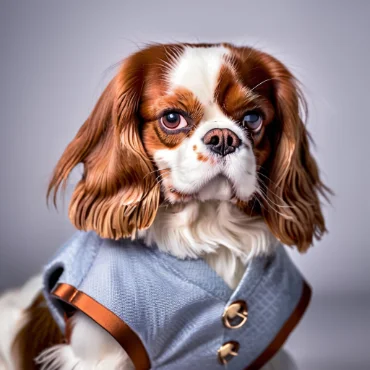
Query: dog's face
204	127
196	122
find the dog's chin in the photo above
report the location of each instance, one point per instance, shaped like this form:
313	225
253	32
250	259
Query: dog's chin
220	188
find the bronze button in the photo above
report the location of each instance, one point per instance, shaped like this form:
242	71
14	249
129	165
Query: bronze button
236	315
227	352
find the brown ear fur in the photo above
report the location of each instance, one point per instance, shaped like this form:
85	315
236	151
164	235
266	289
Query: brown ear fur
294	183
38	333
118	193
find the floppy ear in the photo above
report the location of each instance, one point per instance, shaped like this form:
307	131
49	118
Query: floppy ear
118	193
294	183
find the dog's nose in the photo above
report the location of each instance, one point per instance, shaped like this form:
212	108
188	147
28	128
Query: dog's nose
222	141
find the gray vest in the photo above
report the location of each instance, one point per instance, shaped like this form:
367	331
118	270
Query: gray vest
173	314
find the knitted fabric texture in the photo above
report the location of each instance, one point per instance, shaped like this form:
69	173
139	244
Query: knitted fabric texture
175	306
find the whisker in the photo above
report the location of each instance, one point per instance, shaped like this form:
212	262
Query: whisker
272	192
270	204
284	205
254	203
261	83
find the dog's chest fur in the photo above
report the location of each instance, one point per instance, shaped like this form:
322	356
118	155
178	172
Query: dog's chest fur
214	230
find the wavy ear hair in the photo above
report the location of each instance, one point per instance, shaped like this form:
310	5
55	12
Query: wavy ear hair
118	193
294	184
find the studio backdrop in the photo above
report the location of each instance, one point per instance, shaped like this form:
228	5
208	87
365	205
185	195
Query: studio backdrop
57	56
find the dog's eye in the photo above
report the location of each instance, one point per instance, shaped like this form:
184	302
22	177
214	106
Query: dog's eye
252	120
173	121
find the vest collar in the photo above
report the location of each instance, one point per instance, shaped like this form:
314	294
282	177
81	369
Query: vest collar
199	273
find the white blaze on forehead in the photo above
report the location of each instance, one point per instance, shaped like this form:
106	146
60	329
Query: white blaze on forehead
197	70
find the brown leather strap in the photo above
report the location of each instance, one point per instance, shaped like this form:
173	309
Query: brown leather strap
287	328
124	335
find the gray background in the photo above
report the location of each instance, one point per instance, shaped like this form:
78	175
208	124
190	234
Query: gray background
57	56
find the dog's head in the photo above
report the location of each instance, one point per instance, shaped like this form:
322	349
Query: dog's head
196	122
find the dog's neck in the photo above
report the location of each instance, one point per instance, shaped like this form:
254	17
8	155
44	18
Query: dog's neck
214	230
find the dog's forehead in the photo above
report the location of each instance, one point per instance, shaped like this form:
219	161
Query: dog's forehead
198	69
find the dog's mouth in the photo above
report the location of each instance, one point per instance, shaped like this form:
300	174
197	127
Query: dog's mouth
217	188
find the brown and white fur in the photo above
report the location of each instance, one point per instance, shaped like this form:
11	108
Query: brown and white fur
207	185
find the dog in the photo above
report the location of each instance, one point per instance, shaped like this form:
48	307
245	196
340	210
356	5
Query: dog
197	168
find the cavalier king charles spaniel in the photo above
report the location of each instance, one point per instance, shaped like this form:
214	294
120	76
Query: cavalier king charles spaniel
197	149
